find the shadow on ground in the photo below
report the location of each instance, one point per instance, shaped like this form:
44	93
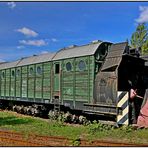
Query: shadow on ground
13	121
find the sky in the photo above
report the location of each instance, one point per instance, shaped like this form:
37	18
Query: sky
33	28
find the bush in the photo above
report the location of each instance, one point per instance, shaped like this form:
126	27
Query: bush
76	142
96	126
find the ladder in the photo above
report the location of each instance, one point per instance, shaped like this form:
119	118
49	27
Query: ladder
57	104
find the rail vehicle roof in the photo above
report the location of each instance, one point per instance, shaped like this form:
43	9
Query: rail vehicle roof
28	60
78	51
9	64
36	59
114	56
69	52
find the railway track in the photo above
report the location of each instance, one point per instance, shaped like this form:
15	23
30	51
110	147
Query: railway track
9	138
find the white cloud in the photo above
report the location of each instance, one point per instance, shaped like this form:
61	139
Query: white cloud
143	18
54	40
11	5
20	47
33	42
27	32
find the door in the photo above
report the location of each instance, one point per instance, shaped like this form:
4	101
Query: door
56	81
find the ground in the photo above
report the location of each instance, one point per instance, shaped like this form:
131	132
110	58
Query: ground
20	130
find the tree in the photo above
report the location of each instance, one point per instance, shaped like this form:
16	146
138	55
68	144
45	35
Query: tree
139	38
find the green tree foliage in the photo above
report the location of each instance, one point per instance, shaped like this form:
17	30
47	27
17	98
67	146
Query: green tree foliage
139	38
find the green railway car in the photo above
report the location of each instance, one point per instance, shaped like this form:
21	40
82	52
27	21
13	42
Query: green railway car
82	78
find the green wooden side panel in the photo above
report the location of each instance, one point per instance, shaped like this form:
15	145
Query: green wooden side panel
56	76
38	81
24	81
38	88
68	83
56	83
18	82
77	84
31	81
3	83
7	82
81	80
31	88
46	88
91	77
12	87
47	80
0	82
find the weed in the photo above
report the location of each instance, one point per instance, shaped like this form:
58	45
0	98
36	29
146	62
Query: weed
127	129
76	142
97	126
92	131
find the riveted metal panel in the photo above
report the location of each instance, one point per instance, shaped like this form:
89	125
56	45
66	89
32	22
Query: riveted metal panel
106	80
106	88
111	62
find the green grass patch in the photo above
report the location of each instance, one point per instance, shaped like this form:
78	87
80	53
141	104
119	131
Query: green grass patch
94	131
30	125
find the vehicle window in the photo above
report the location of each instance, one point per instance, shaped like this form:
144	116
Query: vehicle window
3	75
13	73
57	68
68	66
31	71
39	70
18	73
82	65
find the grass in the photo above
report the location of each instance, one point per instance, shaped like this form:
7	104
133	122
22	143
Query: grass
32	125
94	131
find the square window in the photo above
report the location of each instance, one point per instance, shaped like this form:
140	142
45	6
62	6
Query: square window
57	68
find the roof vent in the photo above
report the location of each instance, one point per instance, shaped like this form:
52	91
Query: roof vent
71	46
23	58
96	41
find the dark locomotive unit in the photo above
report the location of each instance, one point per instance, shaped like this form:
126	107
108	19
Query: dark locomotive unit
92	79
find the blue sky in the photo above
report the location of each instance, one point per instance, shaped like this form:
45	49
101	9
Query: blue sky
28	28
